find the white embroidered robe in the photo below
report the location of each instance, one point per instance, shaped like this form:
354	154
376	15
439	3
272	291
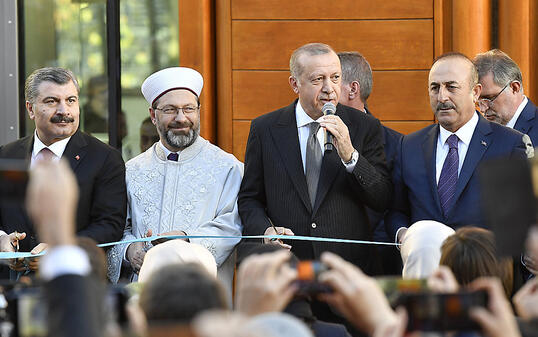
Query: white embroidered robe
197	195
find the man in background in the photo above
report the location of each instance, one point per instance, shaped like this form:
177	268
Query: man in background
502	99
357	83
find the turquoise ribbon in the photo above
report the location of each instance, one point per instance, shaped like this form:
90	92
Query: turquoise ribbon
18	255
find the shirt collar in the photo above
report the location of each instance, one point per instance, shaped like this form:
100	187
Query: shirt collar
520	108
166	151
465	133
301	116
57	148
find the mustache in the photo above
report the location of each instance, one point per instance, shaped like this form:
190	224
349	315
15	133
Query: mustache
445	106
180	125
62	119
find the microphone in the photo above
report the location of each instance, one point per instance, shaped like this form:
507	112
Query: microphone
328	109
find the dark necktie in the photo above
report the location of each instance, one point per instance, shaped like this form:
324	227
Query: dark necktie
313	162
45	155
173	156
449	175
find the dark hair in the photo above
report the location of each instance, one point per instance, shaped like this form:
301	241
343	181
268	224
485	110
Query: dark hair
356	68
98	262
473	76
501	66
56	75
470	253
178	292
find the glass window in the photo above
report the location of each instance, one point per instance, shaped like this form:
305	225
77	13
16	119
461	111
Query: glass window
72	34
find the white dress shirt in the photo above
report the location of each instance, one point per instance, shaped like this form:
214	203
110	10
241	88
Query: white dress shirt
465	133
512	122
57	148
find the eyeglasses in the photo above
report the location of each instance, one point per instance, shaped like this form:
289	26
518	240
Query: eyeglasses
174	110
485	103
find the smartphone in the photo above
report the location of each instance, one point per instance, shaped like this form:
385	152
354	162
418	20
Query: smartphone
442	312
13	180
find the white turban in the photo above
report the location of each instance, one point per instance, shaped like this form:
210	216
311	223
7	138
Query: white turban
163	81
176	251
421	248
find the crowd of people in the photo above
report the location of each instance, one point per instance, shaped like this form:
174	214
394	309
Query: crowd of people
321	167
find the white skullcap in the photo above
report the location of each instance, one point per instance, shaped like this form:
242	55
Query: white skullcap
163	81
421	248
173	252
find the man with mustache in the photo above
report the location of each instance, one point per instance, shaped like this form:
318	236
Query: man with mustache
182	184
435	175
52	102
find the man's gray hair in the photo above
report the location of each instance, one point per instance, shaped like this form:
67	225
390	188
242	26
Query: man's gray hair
57	75
356	68
310	49
503	68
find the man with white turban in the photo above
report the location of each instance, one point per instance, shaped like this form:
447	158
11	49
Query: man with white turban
182	185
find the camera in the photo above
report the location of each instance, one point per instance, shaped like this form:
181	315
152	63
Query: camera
308	277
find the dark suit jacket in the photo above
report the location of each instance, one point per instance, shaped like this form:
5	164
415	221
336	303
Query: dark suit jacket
100	173
415	186
274	185
391	141
527	122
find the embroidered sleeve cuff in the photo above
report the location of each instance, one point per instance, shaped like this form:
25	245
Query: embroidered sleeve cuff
64	260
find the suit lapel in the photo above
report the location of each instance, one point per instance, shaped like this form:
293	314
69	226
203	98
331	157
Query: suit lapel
524	122
429	149
479	144
75	151
286	139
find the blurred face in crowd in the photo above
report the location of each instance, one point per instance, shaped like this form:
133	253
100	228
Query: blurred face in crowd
55	111
148	136
318	83
499	104
451	97
177	129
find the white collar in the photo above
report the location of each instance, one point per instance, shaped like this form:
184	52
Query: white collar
465	133
520	108
301	116
57	148
184	155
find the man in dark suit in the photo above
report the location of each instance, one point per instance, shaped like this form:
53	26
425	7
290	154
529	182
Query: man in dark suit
435	176
303	189
357	82
502	99
52	102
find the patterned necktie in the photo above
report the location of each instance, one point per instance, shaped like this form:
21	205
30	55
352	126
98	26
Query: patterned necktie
45	155
449	175
313	162
173	156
